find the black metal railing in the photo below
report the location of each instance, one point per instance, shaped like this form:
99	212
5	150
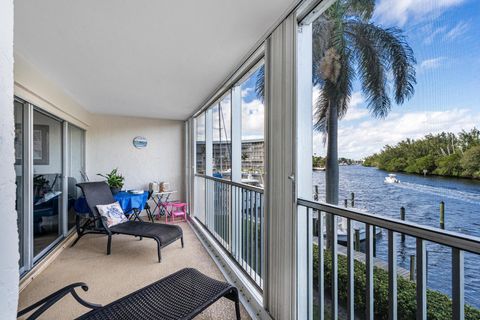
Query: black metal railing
334	278
234	215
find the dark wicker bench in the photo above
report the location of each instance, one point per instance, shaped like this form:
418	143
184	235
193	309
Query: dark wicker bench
181	295
98	193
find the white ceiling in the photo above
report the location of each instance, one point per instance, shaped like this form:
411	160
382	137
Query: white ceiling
149	58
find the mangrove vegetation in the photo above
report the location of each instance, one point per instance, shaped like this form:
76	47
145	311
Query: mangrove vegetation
443	154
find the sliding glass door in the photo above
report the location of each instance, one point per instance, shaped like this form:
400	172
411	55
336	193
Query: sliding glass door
47	181
76	168
49	162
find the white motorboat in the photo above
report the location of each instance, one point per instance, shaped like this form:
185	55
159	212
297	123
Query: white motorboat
391	178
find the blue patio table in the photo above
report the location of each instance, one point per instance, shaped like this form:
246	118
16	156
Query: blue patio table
131	203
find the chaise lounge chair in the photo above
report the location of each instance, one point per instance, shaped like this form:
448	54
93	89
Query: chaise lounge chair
181	295
98	193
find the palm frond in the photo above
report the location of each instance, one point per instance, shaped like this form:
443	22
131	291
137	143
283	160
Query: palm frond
401	60
371	67
396	54
321	35
360	8
260	84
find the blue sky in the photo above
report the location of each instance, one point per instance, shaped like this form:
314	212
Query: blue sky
445	37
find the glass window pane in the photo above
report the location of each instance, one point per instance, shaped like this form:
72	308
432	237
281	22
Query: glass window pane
47	180
253	129
76	156
200	143
222	141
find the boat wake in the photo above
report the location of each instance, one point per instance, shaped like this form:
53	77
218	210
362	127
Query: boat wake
464	196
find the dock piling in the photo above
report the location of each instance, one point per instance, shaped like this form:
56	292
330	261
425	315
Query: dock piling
412	267
315	196
352	195
402	217
442	215
357	240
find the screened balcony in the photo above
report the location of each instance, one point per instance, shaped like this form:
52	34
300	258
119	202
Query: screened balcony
222	96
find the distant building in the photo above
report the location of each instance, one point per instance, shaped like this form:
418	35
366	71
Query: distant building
253	156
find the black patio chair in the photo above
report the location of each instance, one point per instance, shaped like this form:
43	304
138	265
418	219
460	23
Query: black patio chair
181	295
148	209
98	193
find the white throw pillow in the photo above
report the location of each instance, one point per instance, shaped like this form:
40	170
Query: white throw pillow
113	213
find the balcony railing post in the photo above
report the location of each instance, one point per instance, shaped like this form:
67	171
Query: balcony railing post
421	280
321	269
334	284
369	270
458	295
392	275
350	271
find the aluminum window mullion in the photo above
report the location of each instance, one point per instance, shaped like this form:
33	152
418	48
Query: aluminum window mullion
28	186
66	158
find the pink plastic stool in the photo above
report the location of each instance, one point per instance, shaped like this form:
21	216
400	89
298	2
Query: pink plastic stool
178	209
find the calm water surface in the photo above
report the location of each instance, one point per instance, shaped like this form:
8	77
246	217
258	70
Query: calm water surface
421	197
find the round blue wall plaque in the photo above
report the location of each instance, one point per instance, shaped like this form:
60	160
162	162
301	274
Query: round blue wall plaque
140	142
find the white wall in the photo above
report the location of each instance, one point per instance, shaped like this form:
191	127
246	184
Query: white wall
109	145
8	226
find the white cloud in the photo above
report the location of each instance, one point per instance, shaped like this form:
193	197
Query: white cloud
398	12
370	136
430	64
356	109
247	91
432	34
459	29
253	120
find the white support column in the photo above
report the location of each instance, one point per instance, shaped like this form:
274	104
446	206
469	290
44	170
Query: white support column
189	158
304	171
209	142
237	134
9	274
236	163
192	164
280	294
209	192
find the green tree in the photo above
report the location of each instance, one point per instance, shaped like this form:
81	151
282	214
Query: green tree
318	162
446	154
449	165
470	162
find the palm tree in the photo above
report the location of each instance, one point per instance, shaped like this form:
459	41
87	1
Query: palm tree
348	46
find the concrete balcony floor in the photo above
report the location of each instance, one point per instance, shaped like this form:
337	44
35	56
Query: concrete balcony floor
132	265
